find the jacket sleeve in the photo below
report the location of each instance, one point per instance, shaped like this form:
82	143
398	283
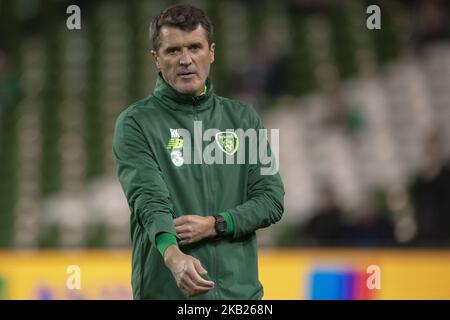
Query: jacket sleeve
265	194
141	178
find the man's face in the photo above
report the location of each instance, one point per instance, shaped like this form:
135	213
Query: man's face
184	58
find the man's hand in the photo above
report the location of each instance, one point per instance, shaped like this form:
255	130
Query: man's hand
187	272
193	228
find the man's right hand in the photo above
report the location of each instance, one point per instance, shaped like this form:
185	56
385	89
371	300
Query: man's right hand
187	272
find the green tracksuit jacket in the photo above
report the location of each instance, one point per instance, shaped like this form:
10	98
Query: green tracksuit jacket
159	188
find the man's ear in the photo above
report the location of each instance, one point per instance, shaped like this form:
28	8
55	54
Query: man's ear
212	47
155	59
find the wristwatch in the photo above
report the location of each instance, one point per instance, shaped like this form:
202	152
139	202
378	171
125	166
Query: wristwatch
220	225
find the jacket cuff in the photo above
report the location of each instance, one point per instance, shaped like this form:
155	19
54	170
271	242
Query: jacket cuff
159	224
230	224
165	240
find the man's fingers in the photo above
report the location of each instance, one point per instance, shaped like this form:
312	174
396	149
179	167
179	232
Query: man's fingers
190	288
195	276
200	283
181	229
193	285
187	286
199	268
184	236
183	220
179	221
188	278
184	241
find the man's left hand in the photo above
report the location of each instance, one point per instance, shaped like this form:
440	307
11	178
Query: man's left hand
193	228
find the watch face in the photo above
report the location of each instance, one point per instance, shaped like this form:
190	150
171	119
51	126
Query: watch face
221	225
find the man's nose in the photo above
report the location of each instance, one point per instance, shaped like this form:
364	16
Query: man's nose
185	58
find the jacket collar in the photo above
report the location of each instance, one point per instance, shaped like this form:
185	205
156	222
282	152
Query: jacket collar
181	101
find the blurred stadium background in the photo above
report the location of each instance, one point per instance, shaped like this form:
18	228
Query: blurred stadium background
364	138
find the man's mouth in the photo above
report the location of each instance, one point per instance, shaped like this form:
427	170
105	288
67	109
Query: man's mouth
186	74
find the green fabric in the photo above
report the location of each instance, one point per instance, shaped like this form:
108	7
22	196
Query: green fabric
165	240
158	190
229	220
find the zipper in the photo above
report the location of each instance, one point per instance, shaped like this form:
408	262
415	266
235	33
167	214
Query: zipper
209	202
212	206
195	101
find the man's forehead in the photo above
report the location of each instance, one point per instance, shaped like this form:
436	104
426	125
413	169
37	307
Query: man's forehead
171	36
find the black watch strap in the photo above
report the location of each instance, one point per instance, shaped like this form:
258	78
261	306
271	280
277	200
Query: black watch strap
220	225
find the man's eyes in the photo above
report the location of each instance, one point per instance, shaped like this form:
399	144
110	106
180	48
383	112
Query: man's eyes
173	51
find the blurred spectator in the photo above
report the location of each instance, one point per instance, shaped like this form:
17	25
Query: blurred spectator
430	193
343	116
9	81
433	23
374	226
326	227
263	76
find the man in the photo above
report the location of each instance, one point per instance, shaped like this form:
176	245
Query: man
430	195
192	225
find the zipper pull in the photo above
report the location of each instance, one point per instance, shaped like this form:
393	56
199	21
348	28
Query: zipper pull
195	100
